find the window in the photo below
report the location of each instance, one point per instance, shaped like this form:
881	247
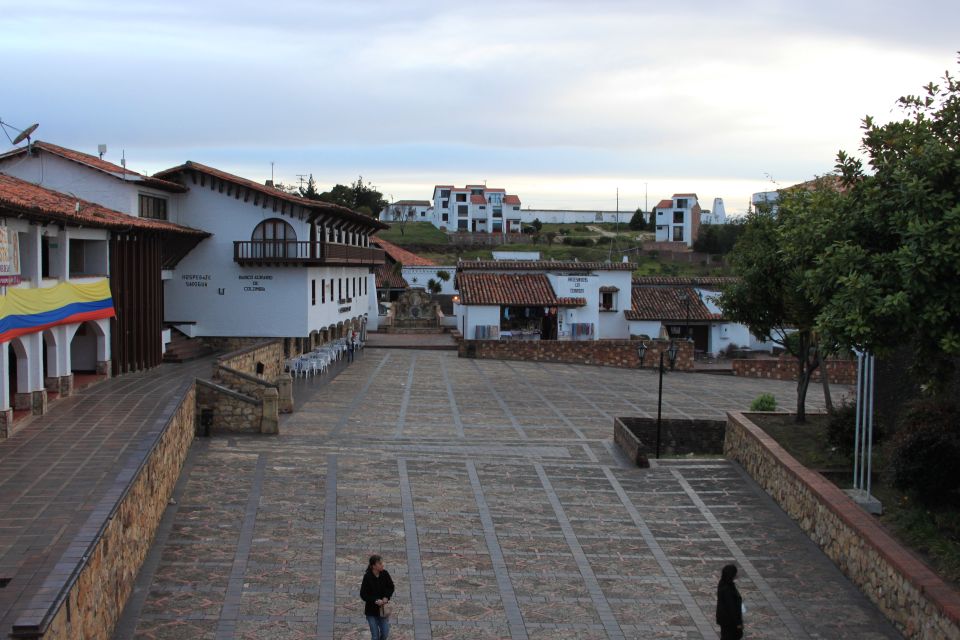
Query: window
323	291
516	208
423	214
444	204
462	210
339	288
445	217
607	301
274	238
153	207
678	234
659	213
313	292
444	193
681	203
483	206
366	286
678	217
461	197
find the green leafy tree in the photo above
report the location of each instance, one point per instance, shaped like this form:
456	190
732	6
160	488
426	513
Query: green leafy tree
775	261
892	273
434	287
360	196
401	215
536	224
443	275
638	222
550	236
310	191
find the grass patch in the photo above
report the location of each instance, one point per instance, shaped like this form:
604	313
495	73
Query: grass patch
933	533
414	233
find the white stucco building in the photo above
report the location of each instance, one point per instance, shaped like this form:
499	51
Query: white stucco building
678	219
717	215
544	300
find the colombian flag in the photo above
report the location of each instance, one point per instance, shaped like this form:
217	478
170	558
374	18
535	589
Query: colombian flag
25	311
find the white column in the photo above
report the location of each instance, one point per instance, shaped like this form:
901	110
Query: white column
4	376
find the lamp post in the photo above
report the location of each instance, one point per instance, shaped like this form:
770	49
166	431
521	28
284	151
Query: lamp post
671	353
642	352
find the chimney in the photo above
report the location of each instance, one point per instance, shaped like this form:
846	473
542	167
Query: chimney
269	183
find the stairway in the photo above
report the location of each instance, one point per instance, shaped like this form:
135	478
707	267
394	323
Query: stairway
181	348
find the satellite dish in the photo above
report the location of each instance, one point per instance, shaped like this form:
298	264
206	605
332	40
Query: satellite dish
25	134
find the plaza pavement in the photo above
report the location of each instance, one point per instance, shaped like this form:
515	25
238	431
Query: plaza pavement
501	507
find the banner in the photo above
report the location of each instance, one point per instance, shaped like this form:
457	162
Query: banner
9	256
31	310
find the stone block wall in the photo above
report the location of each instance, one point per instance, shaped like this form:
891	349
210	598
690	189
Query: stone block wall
785	368
913	597
107	562
610	353
233	412
245	359
637	437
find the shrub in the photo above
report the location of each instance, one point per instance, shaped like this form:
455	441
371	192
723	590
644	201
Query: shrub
842	428
731	350
925	452
764	402
575	241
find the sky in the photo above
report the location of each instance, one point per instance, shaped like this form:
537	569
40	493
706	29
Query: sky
569	104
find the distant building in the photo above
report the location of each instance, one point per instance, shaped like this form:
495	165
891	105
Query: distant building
411	210
717	215
678	219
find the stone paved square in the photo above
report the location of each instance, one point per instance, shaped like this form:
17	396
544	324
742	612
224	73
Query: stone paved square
502	509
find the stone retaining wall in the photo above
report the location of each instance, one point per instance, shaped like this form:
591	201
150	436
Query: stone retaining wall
104	561
245	359
912	596
785	368
233	412
610	353
637	437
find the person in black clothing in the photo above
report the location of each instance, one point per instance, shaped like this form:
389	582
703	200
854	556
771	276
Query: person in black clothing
376	590
729	605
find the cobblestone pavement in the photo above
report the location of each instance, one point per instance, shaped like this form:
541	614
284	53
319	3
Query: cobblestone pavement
502	509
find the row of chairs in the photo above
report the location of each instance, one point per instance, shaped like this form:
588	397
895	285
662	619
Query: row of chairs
319	360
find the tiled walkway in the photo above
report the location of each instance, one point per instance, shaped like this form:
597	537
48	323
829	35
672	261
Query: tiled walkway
62	470
500	506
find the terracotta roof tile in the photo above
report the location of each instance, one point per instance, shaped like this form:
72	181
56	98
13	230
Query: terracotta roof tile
387	279
511	199
540	265
609	289
94	162
687	281
684	195
30	199
571	302
666	203
668	303
399	254
520	289
475	199
316	205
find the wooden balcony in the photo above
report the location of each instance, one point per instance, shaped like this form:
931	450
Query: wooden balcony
284	253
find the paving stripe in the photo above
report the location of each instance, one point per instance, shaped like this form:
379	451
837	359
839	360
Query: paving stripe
553	408
326	608
419	609
673	577
348	410
402	416
503	405
609	621
507	596
454	409
763	587
230	612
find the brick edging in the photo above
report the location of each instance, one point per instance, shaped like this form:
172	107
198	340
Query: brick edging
927	597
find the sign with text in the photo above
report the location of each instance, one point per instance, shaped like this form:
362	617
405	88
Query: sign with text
9	256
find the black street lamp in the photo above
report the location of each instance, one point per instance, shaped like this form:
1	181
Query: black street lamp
671	354
642	352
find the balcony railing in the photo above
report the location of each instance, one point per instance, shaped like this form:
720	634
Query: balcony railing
283	252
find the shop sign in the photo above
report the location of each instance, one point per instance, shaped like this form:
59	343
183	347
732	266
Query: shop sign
9	256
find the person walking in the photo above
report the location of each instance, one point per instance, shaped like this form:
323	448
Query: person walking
350	347
729	605
376	591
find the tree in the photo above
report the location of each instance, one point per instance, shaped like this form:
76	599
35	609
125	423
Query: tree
360	196
776	262
443	275
891	273
401	216
434	287
536	224
310	191
550	236
718	238
638	222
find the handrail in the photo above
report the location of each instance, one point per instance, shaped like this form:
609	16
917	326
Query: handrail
299	252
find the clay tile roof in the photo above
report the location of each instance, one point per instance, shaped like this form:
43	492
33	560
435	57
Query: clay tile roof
315	205
520	289
399	254
496	190
475	199
684	195
40	203
387	279
668	303
707	282
571	302
666	203
609	289
511	199
540	265
415	203
94	162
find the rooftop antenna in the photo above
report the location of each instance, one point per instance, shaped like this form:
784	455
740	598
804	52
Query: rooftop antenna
271	172
301	176
101	149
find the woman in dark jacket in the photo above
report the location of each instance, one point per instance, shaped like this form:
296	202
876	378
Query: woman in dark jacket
729	605
376	590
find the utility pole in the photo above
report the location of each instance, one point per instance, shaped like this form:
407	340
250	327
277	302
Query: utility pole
301	177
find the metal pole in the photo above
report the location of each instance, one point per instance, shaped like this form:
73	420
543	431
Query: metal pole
869	430
659	404
856	433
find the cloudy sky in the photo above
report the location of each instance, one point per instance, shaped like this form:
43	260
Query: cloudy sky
560	102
